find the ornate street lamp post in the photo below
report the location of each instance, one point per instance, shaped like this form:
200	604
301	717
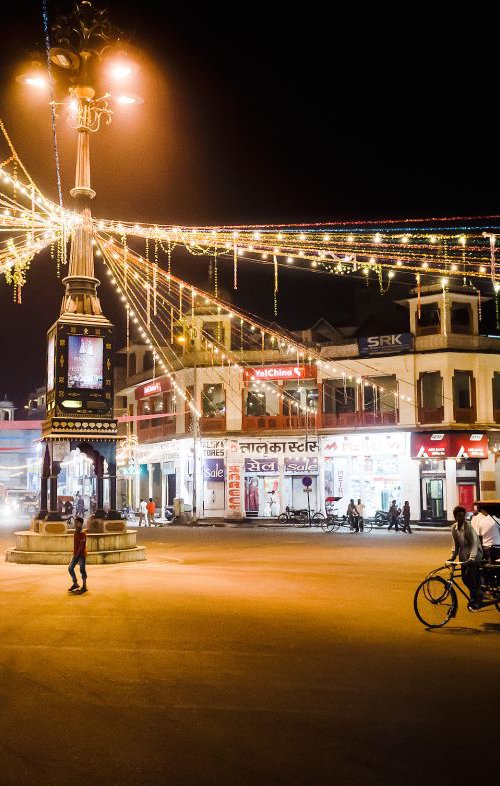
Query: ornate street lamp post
80	344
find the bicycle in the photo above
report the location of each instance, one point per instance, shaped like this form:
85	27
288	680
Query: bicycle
436	601
343	521
303	519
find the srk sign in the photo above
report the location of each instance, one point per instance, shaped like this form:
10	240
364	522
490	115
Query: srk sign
391	344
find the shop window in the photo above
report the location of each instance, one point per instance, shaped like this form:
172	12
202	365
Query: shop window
144	408
148	361
339	397
157	406
496	397
464	396
132	364
430	394
429	321
214	331
213	401
291	401
255	403
380	395
461	318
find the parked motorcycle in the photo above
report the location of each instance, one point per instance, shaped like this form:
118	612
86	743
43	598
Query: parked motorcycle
292	513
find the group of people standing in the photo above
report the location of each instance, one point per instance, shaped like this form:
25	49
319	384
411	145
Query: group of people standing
147	512
356	512
355	515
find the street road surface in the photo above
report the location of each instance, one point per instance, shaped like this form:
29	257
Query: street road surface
245	657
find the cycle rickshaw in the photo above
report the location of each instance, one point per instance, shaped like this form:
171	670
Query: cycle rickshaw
436	598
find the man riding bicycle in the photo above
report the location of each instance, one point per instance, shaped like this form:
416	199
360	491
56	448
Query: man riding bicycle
467	547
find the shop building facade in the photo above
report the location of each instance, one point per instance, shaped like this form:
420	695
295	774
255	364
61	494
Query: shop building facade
412	416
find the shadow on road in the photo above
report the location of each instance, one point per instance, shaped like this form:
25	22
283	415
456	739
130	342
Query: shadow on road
488	627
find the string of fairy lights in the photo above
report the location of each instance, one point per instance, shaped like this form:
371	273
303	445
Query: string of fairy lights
164	308
165	313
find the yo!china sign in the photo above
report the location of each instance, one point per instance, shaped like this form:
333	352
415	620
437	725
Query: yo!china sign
391	344
278	373
213	470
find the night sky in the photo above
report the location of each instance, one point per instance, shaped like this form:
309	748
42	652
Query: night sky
270	116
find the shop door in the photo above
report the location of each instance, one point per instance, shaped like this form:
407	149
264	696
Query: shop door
299	493
466	495
171	488
214	495
433	497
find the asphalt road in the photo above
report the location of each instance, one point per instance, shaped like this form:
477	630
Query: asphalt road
245	657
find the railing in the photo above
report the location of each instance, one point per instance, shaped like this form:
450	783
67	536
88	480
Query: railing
149	433
347	419
280	422
217	423
430	415
464	414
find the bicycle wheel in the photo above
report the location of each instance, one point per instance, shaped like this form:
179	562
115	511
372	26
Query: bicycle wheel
298	522
318	519
367	525
435	602
283	518
328	524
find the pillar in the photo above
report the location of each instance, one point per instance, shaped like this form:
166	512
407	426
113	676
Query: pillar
99	474
487	484
53	513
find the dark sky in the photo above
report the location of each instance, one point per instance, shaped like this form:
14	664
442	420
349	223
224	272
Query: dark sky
276	115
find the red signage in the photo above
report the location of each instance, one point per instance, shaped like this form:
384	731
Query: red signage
279	373
152	388
449	444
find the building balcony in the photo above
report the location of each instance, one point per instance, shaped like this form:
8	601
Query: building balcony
280	422
356	419
464	414
211	424
155	433
430	415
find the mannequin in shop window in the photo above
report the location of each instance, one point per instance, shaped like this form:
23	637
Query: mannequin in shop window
252	495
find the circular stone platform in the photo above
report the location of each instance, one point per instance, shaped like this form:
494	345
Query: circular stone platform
104	548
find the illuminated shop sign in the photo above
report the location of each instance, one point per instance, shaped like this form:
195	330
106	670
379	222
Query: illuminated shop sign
152	388
451	444
277	373
375	444
391	344
214	469
85	362
263	466
301	466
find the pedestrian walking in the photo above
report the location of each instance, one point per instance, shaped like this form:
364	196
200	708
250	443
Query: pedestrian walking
151	507
142	512
79	558
352	516
360	511
406	518
393	515
79	505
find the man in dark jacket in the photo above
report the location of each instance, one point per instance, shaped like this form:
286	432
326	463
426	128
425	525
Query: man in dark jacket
79	558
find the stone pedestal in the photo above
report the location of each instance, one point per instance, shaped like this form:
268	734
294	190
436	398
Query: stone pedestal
44	527
104	548
105	525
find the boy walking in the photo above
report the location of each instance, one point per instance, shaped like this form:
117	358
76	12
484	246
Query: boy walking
142	512
151	507
79	558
